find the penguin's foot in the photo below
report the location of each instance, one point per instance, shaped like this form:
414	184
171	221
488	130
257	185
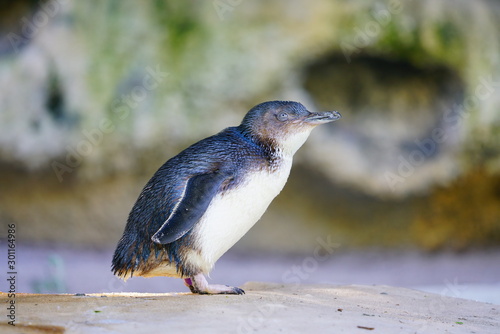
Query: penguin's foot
198	284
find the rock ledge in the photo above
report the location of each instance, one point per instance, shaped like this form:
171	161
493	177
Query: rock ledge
265	307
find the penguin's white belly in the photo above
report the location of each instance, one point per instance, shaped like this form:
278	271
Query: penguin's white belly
230	215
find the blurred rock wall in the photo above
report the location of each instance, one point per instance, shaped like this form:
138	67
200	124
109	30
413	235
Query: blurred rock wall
96	95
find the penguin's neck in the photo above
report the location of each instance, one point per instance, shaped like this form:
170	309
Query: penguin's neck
290	143
284	146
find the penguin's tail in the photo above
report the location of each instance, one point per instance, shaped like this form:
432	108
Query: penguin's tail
124	262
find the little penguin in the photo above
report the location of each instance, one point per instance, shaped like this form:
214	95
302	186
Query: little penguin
203	200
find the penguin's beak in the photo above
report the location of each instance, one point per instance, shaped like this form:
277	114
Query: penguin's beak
322	117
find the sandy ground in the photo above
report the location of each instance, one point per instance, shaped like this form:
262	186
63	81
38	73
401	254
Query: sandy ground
268	308
474	275
344	292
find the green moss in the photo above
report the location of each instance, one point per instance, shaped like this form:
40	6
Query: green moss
448	34
450	48
404	46
178	19
181	27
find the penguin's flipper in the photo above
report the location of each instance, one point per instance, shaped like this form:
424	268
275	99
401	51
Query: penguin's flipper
198	193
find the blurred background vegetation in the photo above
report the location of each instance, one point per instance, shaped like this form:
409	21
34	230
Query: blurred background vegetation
96	95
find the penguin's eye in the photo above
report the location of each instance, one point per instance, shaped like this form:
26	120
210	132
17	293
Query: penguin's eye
282	116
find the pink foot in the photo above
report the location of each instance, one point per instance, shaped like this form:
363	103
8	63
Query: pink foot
198	284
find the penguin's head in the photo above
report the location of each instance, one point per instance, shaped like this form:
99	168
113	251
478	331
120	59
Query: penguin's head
283	125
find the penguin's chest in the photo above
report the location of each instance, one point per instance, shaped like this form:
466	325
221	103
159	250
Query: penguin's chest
232	213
